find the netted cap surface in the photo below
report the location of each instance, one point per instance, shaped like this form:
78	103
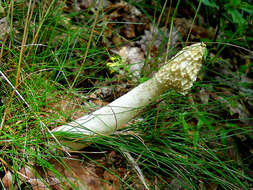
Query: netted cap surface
181	71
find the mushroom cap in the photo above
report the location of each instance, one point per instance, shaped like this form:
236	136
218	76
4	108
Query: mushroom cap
181	71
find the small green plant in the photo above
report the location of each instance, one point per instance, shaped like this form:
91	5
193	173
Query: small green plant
115	65
227	12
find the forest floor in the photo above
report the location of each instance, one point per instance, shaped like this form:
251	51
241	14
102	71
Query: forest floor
60	60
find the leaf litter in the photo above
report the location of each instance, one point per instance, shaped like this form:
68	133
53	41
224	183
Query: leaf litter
92	174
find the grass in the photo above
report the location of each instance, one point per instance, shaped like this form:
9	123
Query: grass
56	59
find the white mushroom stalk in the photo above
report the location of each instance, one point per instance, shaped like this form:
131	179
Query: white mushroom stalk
178	74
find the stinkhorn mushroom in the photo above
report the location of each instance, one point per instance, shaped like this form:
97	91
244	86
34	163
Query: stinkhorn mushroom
178	74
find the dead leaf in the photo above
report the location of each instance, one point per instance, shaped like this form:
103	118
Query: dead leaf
4	27
184	25
83	4
8	180
111	181
204	95
237	109
129	31
155	39
1	8
132	57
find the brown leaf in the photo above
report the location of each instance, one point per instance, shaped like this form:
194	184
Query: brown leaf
129	31
4	27
134	58
184	25
111	181
8	180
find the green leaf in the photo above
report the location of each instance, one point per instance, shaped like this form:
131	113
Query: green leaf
210	4
235	2
184	123
236	16
223	136
1	8
143	79
205	54
246	7
195	139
